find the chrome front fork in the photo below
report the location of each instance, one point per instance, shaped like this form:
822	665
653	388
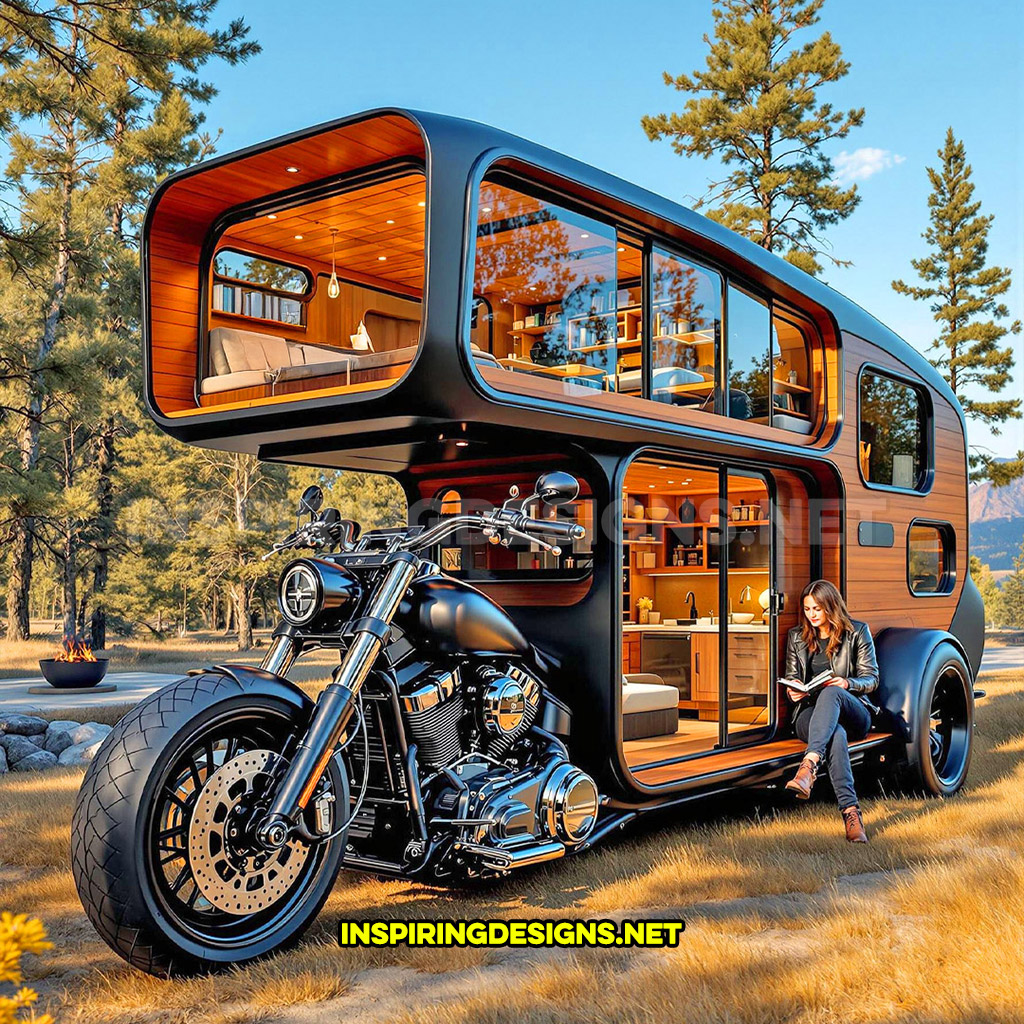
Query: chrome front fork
336	704
281	655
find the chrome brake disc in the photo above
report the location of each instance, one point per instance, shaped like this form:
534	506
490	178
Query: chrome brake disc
234	879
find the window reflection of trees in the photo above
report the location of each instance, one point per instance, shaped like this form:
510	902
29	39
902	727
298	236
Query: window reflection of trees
890	422
686	308
525	256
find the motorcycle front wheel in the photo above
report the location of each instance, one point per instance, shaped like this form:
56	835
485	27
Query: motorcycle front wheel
161	855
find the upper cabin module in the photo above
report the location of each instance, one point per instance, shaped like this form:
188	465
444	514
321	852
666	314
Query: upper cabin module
428	276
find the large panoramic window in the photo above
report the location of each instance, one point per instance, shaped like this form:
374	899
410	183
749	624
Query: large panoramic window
325	293
892	432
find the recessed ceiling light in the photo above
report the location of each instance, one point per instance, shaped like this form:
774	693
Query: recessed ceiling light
390	222
292	170
381	259
271	216
651	486
663	467
422	202
584	235
622	248
487	209
670	481
461	444
298	238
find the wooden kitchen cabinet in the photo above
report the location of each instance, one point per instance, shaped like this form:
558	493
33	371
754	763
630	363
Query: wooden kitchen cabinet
704	666
630	652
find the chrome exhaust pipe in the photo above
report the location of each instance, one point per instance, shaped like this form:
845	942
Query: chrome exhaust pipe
504	859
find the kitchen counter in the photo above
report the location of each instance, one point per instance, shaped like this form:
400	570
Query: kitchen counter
735	627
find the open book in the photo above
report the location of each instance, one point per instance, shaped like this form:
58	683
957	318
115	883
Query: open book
819	680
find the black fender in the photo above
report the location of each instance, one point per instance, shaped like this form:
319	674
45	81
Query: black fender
903	656
268	684
968	625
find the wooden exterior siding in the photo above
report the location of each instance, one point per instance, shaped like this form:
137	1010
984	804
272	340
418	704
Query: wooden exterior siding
876	578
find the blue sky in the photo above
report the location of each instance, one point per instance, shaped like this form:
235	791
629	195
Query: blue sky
578	76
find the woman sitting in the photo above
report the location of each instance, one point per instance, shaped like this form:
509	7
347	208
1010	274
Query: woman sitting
829	641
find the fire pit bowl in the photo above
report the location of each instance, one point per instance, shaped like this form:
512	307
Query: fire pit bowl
72	674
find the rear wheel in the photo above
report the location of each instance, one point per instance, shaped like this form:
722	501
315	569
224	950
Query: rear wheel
161	845
939	756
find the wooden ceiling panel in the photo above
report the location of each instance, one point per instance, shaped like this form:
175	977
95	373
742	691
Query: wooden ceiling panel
384	219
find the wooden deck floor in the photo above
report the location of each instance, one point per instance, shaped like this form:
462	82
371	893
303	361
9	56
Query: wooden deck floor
725	759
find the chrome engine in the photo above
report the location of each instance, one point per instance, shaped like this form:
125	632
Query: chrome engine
499	790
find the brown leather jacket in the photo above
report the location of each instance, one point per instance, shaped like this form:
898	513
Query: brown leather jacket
855	660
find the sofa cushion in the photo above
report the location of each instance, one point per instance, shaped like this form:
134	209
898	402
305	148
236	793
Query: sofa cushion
638	697
316	369
232	350
229	381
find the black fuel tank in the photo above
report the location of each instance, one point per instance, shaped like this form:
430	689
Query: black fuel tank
451	617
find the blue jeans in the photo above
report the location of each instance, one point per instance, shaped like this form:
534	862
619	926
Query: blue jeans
825	725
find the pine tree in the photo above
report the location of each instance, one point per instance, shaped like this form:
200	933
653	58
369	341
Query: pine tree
756	108
988	588
1012	597
966	299
96	98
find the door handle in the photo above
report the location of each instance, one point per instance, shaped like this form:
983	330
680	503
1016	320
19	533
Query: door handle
696	662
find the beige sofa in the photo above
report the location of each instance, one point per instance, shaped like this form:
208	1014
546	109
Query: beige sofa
247	359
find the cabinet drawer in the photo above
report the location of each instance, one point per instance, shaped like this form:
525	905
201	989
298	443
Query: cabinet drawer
748	642
745	680
748	661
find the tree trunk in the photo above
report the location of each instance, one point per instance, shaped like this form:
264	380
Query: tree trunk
104	533
70	575
20	579
240	593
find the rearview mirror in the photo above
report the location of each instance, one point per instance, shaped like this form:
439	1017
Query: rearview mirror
311	500
557	488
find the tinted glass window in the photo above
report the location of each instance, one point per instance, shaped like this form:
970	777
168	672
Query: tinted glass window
686	317
892	432
749	352
929	559
549	276
259	288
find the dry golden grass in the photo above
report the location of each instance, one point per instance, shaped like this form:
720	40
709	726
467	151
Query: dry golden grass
929	929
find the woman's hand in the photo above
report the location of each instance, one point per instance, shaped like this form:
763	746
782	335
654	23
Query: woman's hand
795	695
839	681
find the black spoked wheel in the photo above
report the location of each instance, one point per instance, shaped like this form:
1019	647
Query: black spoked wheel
940	754
209	877
162	847
949	728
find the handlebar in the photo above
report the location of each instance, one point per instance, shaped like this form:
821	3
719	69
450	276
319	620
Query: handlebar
551	528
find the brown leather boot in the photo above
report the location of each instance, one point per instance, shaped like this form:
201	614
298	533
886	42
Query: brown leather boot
854	825
803	781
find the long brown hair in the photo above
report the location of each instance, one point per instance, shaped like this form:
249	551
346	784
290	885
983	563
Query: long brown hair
831	602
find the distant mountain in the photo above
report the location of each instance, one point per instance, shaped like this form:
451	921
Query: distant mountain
997	523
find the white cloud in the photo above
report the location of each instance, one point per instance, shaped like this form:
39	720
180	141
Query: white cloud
863	163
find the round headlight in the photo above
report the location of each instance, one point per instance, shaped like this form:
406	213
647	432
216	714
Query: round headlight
300	594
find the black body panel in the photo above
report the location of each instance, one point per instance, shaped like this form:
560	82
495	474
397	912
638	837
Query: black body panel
451	617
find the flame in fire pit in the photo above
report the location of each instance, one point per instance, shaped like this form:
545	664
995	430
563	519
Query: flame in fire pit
75	650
